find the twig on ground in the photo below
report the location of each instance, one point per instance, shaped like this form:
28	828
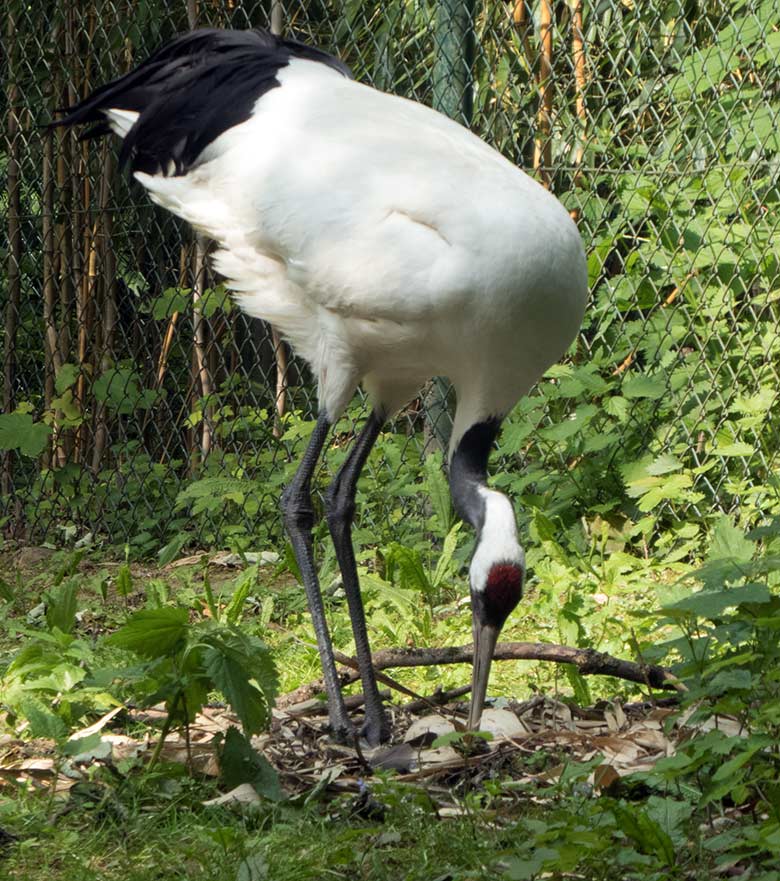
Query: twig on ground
588	661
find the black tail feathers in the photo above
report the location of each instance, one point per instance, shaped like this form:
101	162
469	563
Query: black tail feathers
189	92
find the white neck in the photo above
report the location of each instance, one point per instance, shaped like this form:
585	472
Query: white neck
497	541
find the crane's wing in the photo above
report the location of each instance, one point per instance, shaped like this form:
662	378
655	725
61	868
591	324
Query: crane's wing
321	191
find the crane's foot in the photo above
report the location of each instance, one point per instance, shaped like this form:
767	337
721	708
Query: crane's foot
376	728
342	732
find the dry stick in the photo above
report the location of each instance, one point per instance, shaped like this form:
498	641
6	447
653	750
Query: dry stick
320	708
84	320
63	251
437	699
308	691
543	140
162	361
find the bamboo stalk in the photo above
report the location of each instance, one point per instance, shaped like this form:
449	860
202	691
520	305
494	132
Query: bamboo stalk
200	343
543	140
88	288
162	361
64	277
199	326
280	352
580	82
281	382
52	354
14	250
108	314
523	25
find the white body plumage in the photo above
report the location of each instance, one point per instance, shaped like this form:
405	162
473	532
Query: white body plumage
388	244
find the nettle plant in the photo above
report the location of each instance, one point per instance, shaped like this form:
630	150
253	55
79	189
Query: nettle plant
174	654
183	661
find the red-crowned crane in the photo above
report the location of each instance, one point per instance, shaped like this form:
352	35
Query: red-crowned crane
388	244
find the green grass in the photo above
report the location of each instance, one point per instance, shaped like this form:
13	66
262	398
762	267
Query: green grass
681	822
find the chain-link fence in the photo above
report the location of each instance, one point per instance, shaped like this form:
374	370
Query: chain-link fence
137	404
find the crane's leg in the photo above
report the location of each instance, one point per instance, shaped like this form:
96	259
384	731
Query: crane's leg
298	515
340	512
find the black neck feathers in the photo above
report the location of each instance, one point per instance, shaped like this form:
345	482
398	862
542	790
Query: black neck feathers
468	470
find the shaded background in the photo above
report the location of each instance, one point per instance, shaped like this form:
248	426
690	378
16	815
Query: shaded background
138	406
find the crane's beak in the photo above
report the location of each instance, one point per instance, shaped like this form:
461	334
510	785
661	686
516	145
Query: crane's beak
485	638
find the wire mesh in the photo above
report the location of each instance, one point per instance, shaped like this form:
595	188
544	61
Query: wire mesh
138	404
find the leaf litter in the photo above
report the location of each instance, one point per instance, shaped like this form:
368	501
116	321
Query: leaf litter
530	742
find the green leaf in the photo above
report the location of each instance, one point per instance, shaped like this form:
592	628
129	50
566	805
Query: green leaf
124	581
66	376
242	668
672	815
458	737
42	722
405	565
170	301
447	552
153	633
664	464
730	542
646	832
61	606
18	431
240	763
579	685
642	386
82	744
7	592
712	603
119	388
438	491
572	425
235	607
169	553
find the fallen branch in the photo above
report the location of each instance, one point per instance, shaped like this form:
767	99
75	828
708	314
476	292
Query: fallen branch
588	661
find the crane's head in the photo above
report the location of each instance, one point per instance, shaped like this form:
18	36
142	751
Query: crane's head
497	575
